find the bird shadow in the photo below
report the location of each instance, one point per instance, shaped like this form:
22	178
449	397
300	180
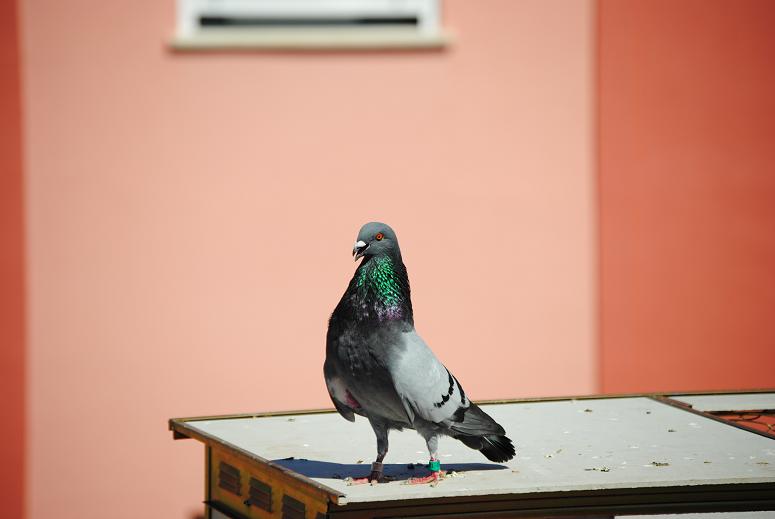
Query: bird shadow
393	471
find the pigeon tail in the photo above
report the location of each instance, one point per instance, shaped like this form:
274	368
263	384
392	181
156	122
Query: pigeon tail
495	447
479	431
472	421
498	448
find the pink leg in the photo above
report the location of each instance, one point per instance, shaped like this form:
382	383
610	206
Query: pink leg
375	476
433	478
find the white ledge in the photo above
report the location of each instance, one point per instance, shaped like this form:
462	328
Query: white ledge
309	39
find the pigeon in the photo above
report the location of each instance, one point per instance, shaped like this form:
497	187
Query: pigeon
378	367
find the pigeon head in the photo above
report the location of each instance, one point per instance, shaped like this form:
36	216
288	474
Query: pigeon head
376	239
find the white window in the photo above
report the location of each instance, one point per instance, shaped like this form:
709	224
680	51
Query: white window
308	24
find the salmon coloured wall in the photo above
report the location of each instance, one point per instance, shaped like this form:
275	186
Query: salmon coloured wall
12	324
191	217
686	187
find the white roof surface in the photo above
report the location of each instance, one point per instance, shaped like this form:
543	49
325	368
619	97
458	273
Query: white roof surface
561	446
737	402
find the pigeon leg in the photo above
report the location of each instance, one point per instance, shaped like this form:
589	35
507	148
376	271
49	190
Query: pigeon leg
376	475
434	466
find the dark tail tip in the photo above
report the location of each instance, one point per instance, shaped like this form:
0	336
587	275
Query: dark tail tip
497	448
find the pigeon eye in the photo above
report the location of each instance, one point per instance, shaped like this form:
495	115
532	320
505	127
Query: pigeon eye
379	236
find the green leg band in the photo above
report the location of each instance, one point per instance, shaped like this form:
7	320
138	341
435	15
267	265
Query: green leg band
434	465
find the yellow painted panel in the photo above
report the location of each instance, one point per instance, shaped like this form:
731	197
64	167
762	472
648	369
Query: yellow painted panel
314	501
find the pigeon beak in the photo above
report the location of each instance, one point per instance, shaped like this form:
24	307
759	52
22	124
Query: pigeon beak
359	248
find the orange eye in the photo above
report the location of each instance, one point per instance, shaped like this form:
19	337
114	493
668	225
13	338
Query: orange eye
379	236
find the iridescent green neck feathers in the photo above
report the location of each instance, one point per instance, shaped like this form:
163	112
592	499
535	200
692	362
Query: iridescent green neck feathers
380	277
381	290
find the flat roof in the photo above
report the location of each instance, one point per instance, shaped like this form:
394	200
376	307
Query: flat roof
730	402
566	445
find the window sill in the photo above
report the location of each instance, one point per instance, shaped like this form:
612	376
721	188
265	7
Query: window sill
310	39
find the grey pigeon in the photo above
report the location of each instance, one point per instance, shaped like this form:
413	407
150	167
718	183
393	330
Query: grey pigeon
377	365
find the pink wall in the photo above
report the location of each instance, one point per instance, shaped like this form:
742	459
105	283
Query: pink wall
191	218
687	126
11	268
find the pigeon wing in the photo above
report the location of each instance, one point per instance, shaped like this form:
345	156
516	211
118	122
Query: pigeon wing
427	388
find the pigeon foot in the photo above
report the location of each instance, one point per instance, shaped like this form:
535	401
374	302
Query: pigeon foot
435	476
433	479
375	477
